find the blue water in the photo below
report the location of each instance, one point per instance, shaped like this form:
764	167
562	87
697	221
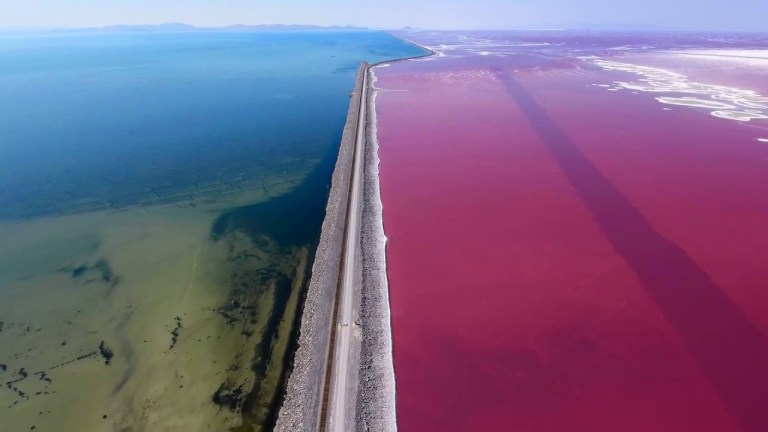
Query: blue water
161	197
119	119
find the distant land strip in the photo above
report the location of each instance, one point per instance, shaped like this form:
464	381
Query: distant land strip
181	27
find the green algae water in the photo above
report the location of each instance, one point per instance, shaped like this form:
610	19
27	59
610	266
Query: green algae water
161	197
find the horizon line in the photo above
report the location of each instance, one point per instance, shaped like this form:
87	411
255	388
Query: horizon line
191	27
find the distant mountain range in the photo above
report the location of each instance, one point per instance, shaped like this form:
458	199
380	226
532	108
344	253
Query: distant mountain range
180	27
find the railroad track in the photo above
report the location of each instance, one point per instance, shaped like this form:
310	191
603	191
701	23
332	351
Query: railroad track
333	405
333	402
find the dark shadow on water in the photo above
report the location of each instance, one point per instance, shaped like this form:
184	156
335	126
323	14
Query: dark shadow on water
291	221
730	350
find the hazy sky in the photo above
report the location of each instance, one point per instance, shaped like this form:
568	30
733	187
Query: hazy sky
748	15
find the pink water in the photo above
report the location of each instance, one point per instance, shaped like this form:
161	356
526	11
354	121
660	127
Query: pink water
562	257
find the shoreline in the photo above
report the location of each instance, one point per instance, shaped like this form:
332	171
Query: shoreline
534	119
375	409
191	291
301	407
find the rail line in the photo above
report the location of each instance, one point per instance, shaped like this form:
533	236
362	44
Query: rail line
334	387
334	392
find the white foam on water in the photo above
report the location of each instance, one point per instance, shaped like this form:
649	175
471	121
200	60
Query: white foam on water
757	58
728	103
738	115
745	53
695	102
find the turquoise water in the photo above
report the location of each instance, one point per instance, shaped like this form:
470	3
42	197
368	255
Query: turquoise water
119	119
161	199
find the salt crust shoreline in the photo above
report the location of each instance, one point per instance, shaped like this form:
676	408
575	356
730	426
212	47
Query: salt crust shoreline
375	407
301	406
375	410
374	400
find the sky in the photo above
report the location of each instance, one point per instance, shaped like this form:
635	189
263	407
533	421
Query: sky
744	15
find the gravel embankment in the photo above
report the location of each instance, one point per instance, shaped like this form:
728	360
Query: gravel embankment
372	402
301	405
375	410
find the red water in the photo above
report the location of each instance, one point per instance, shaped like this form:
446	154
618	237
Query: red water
563	258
